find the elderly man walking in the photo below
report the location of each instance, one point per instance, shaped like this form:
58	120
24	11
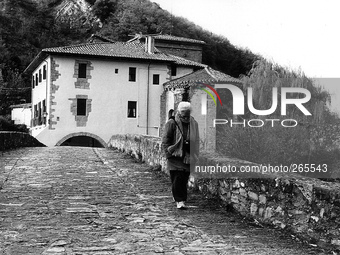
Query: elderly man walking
180	143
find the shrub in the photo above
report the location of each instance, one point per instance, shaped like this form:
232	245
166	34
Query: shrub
316	140
7	125
280	145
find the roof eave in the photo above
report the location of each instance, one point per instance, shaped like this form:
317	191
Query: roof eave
111	57
44	53
191	65
35	62
188	84
181	41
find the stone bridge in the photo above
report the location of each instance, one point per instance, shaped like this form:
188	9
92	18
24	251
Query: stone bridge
80	200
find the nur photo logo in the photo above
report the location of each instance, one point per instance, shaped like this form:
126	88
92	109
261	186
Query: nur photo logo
238	104
209	93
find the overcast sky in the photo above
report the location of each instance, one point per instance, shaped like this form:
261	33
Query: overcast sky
294	33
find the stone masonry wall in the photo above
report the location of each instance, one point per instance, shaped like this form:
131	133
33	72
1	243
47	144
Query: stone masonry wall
309	208
142	147
191	52
11	140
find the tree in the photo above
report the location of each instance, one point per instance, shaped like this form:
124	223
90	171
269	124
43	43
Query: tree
103	9
265	75
270	143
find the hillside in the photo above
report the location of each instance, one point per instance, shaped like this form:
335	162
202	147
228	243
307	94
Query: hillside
27	26
131	16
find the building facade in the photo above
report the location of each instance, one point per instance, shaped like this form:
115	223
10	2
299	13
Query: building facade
203	89
178	46
21	114
99	89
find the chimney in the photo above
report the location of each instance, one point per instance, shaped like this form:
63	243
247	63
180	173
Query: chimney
149	44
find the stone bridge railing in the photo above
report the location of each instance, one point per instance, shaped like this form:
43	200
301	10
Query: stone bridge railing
12	140
308	207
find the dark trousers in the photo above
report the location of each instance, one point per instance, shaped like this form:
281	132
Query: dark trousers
179	180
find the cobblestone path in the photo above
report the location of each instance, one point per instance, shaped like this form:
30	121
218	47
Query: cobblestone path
74	200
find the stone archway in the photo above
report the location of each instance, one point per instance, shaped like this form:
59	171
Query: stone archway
100	140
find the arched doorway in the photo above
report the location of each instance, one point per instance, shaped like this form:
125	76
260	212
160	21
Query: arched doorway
82	139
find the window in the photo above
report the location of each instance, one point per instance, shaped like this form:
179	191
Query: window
44	106
132	73
40	76
44	72
132	109
39	114
35	118
35	111
36	79
116	70
44	113
173	70
82	70
155	79
81	107
204	104
33	81
82	73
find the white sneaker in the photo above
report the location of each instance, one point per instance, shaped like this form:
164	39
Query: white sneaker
181	205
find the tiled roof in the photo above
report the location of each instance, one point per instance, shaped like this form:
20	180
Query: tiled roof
131	50
26	105
160	37
206	75
185	62
123	50
100	38
176	38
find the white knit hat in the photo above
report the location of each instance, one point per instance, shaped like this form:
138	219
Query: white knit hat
184	106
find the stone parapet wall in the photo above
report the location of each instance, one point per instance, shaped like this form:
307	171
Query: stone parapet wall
12	140
142	147
309	208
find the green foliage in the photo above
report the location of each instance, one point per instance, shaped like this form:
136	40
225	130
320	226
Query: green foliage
283	146
91	2
103	9
13	91
265	144
7	125
27	26
133	17
52	3
265	75
143	16
315	140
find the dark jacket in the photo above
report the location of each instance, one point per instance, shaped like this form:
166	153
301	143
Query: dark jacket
172	144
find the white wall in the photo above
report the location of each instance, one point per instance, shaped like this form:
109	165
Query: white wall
21	116
170	95
181	71
110	93
40	92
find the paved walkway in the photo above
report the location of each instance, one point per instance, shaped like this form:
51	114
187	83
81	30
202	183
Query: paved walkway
73	200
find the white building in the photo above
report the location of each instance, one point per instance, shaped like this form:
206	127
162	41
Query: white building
98	89
21	114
